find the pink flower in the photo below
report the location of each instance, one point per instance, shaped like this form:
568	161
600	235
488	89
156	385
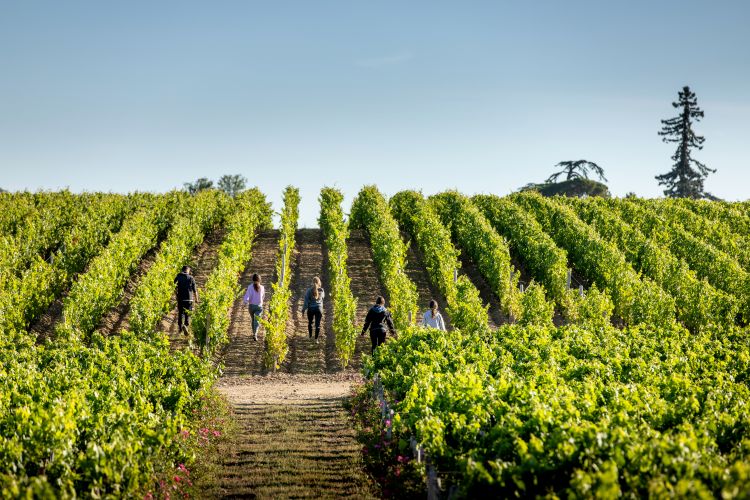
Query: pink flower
177	479
216	433
400	459
148	496
388	422
398	471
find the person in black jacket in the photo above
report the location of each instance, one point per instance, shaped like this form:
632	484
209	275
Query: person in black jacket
377	319
186	291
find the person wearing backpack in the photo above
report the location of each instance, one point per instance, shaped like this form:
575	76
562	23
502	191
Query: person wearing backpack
378	319
314	306
254	296
432	318
186	291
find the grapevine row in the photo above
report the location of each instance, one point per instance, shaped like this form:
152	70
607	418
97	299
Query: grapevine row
251	213
714	232
418	219
547	262
370	212
336	232
571	412
99	289
153	297
635	300
276	345
729	214
488	250
698	303
718	268
32	292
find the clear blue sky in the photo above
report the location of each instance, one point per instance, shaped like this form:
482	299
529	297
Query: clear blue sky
480	96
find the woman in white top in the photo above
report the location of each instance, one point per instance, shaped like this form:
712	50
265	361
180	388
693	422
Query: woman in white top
432	317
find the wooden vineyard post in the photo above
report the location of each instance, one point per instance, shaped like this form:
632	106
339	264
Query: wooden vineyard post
580	290
433	488
455	276
283	264
569	278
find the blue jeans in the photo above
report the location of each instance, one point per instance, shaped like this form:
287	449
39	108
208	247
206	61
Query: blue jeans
256	312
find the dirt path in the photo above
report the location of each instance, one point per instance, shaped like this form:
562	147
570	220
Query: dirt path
203	262
117	319
365	285
495	315
416	272
305	356
295	439
244	355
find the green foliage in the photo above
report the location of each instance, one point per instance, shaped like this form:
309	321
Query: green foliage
575	412
101	286
573	188
488	250
97	420
535	308
636	300
232	184
276	346
685	180
86	415
251	213
716	233
370	212
547	262
199	185
153	297
336	231
592	310
718	268
419	220
698	304
32	291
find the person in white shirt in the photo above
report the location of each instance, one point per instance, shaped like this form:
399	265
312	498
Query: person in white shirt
432	318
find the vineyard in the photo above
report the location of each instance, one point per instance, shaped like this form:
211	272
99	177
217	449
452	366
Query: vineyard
597	347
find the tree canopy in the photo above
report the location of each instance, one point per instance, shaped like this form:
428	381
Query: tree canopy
199	185
578	169
232	184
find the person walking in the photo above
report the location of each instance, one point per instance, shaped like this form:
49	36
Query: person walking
432	318
377	319
254	296
314	306
186	291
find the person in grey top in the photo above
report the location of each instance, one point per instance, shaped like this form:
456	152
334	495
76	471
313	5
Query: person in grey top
314	307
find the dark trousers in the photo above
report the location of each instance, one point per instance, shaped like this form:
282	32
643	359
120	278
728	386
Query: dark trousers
316	314
377	337
184	308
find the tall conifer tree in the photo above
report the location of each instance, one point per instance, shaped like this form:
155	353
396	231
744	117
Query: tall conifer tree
685	180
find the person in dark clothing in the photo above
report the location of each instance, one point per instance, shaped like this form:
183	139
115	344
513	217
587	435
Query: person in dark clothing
186	292
314	306
377	319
